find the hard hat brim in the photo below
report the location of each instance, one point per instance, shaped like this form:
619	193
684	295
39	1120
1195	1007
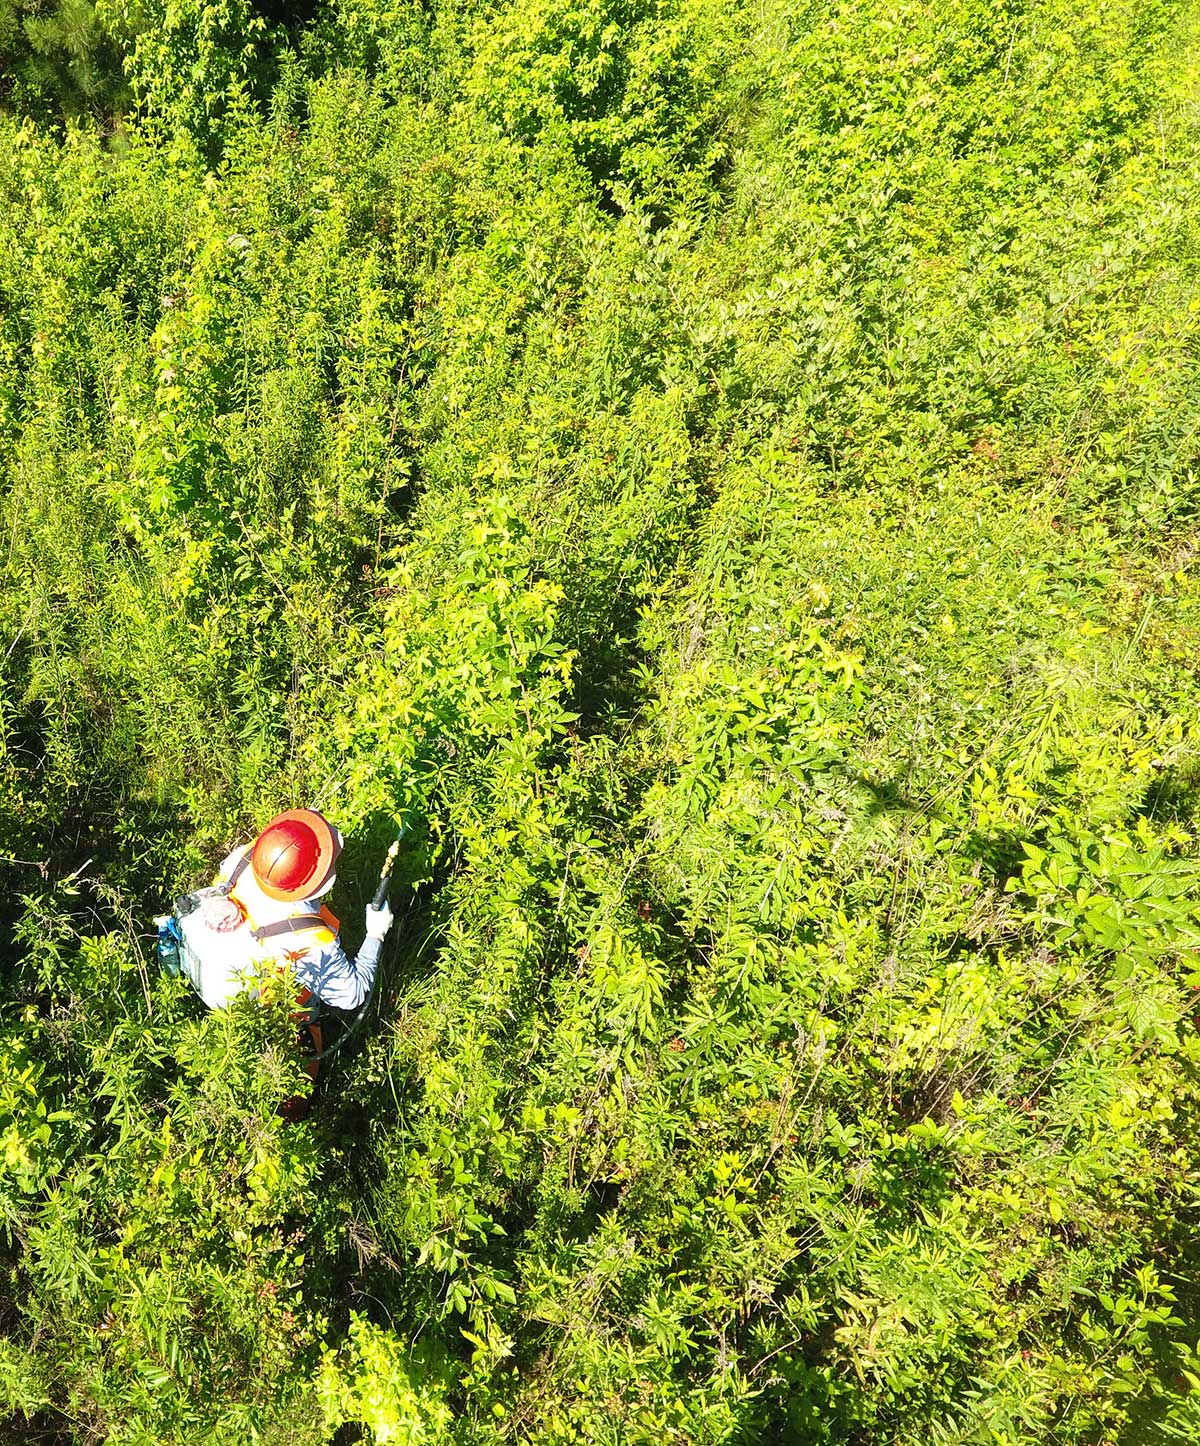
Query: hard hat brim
329	845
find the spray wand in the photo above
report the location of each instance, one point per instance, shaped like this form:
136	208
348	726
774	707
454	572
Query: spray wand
385	873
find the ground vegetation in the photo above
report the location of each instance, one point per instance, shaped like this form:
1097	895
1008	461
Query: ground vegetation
724	479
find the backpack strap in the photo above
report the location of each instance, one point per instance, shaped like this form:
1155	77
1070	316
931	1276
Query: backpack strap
239	868
297	924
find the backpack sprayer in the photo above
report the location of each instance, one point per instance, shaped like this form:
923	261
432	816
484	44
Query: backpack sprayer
170	941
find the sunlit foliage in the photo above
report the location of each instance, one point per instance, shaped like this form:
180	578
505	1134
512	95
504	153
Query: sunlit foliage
724	479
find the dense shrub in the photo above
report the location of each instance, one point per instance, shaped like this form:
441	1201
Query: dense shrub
723	478
59	55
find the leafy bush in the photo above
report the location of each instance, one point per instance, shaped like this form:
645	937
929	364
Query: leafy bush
60	55
723	478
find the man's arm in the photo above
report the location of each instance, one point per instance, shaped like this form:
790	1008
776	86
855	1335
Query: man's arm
334	977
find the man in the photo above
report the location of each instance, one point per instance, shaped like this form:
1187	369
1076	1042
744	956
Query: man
264	912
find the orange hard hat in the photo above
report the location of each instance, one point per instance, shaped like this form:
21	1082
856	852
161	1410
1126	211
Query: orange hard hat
295	855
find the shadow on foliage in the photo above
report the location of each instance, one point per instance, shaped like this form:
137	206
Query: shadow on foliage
888	795
43	1428
1173	796
412	900
1179	1248
606	683
1000	854
292	14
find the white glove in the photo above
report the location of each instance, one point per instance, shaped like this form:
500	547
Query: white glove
379	921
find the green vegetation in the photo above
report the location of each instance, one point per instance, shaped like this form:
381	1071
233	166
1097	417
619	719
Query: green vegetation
727	478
